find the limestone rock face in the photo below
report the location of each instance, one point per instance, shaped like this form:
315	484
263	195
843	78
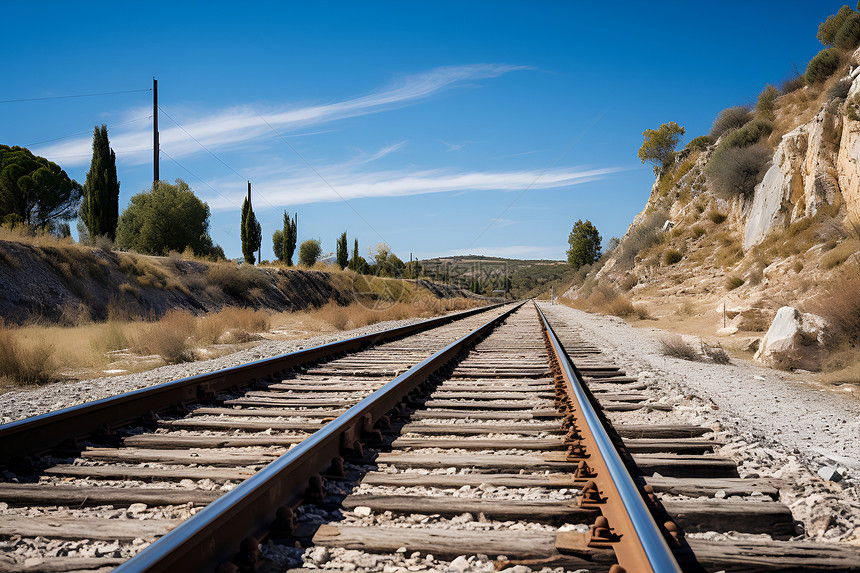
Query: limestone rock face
801	179
848	160
794	339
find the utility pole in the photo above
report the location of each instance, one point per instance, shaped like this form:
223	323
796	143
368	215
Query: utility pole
155	177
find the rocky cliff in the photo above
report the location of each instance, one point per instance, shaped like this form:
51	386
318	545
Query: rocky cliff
735	260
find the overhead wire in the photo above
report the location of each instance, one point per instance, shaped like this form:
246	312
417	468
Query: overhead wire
86	131
209	151
73	96
323	179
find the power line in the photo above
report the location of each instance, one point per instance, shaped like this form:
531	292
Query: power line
87	131
73	96
318	174
199	178
213	155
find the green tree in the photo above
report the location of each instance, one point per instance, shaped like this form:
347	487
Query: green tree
584	243
342	251
309	252
278	244
828	29
357	262
658	148
35	189
290	235
251	233
100	207
166	218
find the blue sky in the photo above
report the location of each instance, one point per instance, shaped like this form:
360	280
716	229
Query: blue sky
439	127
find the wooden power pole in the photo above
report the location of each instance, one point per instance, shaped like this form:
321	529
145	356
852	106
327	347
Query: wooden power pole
155	176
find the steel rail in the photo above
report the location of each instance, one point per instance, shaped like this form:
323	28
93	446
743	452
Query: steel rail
38	433
642	546
212	536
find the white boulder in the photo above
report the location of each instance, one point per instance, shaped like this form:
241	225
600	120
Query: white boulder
793	340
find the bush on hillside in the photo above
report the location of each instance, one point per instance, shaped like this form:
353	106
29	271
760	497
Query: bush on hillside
822	65
839	90
766	100
699	143
848	35
672	256
829	29
309	252
792	83
644	235
734	171
728	119
749	134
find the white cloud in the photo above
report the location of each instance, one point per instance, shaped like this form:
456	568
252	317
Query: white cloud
299	186
244	123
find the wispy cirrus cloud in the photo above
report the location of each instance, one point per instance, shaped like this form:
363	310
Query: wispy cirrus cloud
243	124
344	183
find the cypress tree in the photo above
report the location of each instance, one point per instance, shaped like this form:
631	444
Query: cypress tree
342	251
353	262
100	207
290	236
251	233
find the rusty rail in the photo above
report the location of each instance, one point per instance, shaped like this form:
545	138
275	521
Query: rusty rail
36	434
213	535
629	528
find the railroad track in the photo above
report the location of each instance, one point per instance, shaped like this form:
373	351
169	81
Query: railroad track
473	447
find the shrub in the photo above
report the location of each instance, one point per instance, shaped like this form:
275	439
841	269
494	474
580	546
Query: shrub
239	322
168	337
766	100
734	282
698	230
671	256
736	171
840	89
838	255
628	282
699	143
716	217
792	83
309	252
716	353
848	35
822	65
676	347
642	236
840	307
728	119
25	366
749	134
237	281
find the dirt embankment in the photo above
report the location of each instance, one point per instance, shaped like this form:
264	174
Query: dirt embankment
65	283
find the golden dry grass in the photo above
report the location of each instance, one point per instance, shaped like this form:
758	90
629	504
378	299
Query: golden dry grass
25	364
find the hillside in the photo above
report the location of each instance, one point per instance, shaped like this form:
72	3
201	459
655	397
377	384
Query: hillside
51	281
721	245
523	278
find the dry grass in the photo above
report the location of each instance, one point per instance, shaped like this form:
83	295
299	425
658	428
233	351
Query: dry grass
839	254
606	300
25	364
717	354
169	337
231	325
675	347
